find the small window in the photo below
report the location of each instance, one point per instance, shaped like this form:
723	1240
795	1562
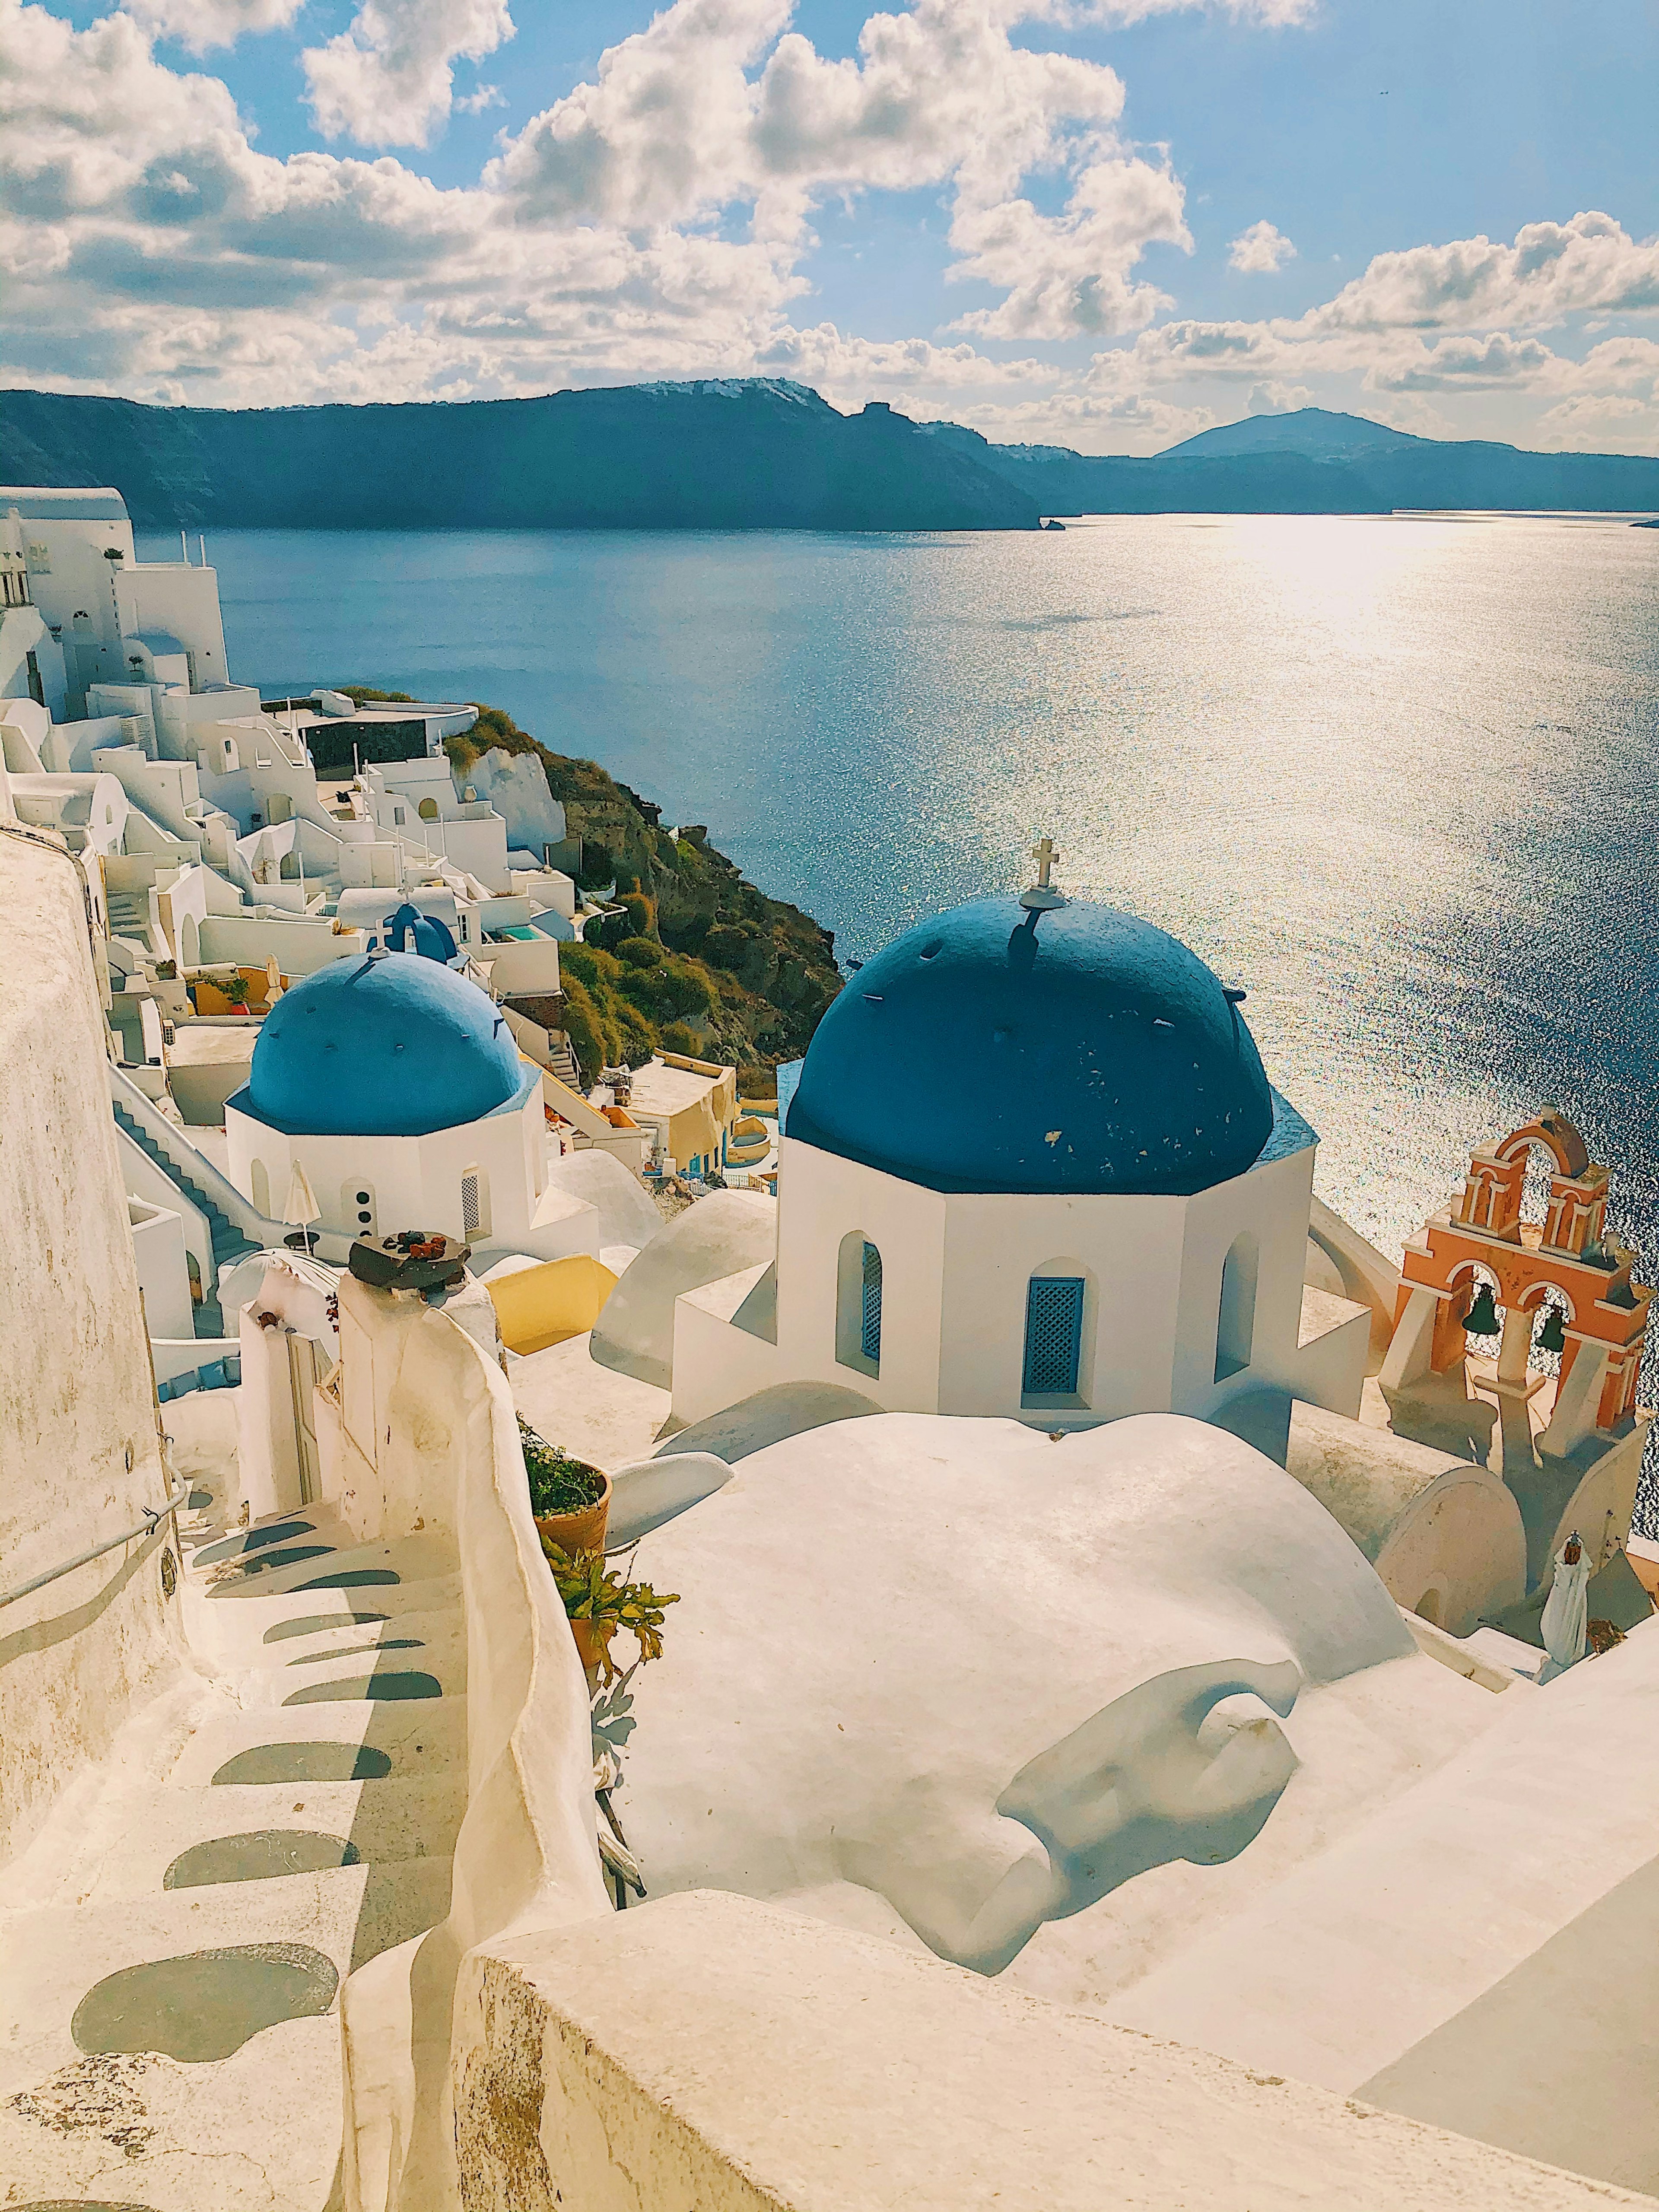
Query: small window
1235	1335
261	1181
870	1313
357	1204
858	1304
1054	1335
474	1204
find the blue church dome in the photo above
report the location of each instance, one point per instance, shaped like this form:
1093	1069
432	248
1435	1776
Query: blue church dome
394	1047
1072	1050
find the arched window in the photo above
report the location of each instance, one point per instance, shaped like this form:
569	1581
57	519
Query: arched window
1235	1334
261	1181
474	1204
858	1304
1054	1336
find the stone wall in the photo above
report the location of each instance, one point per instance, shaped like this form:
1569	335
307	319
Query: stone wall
80	1456
709	2054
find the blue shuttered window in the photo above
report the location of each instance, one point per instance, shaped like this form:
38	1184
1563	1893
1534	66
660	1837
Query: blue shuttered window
1054	1335
870	1321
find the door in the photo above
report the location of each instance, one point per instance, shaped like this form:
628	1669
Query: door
306	1363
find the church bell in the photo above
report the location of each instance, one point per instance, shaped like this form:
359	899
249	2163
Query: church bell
1553	1337
1481	1319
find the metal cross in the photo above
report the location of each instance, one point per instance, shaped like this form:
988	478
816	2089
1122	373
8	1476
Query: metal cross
1045	855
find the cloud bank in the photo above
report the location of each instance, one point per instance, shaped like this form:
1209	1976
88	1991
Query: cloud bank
660	219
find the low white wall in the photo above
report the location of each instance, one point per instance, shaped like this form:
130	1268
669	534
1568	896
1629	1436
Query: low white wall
716	1365
709	2054
423	1434
158	1245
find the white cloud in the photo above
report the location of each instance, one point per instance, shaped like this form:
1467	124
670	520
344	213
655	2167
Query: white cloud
388	79
658	221
1551	270
1260	250
201	24
1470	363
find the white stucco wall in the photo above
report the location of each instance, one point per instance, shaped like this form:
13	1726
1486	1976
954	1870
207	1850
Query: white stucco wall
707	2054
158	1244
414	1183
78	1437
957	1268
423	1436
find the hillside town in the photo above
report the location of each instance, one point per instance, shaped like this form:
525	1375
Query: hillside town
918	1622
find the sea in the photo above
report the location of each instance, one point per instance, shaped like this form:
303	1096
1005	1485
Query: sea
1397	777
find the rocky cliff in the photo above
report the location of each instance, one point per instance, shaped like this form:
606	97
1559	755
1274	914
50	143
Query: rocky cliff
699	960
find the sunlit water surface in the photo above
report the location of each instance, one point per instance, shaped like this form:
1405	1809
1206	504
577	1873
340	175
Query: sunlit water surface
1397	777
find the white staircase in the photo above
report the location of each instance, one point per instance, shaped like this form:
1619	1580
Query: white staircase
171	1946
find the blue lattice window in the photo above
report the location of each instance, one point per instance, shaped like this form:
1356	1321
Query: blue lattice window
1054	1335
870	1317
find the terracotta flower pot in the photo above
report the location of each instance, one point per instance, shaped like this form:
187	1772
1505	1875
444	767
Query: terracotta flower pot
593	1647
574	1533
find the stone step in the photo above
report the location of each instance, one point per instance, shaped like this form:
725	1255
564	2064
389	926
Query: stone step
52	1962
182	2051
383	1566
382	1740
425	1672
248	1638
261	2132
169	1837
247	1622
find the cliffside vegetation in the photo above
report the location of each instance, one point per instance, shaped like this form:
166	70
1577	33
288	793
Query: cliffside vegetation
698	961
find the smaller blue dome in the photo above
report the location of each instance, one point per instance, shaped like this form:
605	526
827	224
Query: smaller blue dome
410	931
392	1047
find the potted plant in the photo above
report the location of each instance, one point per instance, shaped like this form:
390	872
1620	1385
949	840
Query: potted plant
570	1500
597	1601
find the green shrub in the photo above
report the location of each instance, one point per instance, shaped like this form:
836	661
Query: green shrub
558	1483
595	1040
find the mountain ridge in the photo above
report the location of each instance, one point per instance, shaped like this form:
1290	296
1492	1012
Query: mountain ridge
1365	468
740	454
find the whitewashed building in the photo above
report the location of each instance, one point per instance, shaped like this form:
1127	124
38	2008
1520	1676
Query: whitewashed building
1034	1167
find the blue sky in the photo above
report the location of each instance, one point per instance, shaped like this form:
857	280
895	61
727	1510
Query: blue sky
1103	222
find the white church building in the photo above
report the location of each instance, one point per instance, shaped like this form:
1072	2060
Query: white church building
1033	1166
397	1086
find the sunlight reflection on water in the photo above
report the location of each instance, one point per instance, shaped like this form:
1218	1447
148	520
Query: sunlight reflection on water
1396	776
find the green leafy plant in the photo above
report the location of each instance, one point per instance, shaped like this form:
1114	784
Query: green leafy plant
589	1591
558	1483
234	990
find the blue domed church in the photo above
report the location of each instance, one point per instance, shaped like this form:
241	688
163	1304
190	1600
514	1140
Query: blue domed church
395	1083
1033	1166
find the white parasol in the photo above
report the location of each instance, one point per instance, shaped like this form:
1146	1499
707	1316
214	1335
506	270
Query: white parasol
301	1208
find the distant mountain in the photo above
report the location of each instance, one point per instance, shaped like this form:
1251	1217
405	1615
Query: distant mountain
1313	432
745	453
736	454
1314	462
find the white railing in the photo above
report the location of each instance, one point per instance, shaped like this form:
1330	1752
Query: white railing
196	1165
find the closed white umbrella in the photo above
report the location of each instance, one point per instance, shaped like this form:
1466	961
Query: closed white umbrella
301	1208
1565	1610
